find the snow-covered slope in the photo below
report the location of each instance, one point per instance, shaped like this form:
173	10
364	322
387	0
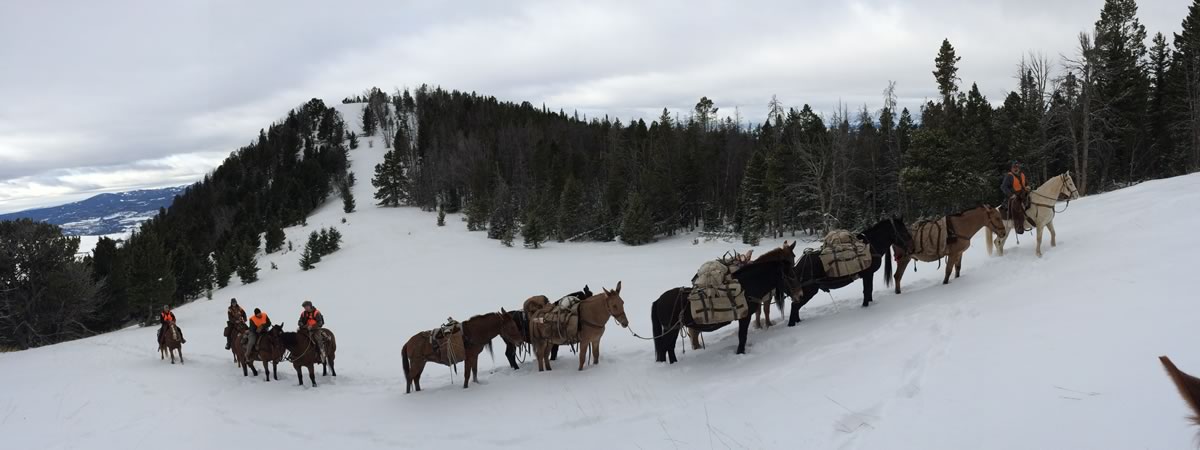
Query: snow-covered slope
1020	352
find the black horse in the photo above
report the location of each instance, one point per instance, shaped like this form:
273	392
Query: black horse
770	272
510	349
881	237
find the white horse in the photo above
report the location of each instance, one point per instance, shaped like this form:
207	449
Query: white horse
1040	213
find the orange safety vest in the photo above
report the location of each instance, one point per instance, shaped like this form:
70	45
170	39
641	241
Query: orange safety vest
310	319
260	321
168	316
1018	182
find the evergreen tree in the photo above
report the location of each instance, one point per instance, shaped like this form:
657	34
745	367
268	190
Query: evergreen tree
502	221
570	210
312	251
151	278
390	182
347	197
1185	82
247	265
369	121
224	268
752	203
275	237
946	71
532	230
637	225
333	240
441	217
1163	157
353	140
1121	85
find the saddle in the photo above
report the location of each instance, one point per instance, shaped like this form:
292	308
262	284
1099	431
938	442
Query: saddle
1017	202
447	343
717	297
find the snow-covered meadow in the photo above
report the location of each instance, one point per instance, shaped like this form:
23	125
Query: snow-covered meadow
1021	352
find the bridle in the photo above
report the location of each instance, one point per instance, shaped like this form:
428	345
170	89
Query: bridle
1071	193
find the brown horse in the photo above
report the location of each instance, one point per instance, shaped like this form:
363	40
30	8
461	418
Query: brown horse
169	343
957	233
234	332
239	353
1189	386
270	351
477	333
304	353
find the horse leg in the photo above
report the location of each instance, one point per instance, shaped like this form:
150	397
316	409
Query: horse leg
299	374
988	238
181	355
267	369
669	344
868	287
596	352
417	368
694	336
958	266
312	376
901	265
275	369
766	309
510	352
1053	235
806	296
468	364
949	268
743	329
583	351
553	352
1038	251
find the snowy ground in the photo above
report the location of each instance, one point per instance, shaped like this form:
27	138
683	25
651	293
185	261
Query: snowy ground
1057	352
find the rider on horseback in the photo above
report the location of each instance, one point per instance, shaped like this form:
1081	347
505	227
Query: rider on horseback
1016	195
167	317
259	324
237	315
312	320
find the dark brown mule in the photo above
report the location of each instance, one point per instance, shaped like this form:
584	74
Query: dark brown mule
477	333
270	351
1189	386
303	352
169	343
961	228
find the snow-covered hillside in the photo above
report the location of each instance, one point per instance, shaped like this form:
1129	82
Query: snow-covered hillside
103	214
1021	352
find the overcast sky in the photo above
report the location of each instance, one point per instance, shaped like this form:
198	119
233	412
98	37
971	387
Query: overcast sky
117	95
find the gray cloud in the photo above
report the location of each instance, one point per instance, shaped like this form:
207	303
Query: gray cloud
154	91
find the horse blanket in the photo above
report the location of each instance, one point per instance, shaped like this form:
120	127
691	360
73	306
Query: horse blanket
716	297
842	254
558	324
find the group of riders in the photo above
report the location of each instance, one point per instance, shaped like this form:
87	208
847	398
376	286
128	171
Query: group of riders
311	320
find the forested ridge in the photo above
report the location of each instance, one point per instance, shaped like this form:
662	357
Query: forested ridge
1119	109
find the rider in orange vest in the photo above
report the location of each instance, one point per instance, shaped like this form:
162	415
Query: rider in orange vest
259	323
312	320
1016	195
167	317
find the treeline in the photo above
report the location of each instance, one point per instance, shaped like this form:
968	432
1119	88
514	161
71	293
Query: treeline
1115	113
212	231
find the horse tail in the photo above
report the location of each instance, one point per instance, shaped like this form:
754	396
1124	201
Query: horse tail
656	325
887	266
491	352
1188	386
404	361
779	294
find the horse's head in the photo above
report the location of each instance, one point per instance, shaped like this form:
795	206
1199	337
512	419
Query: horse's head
1068	189
509	329
615	305
994	221
276	330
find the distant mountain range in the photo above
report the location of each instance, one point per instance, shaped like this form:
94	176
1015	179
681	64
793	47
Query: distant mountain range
105	213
